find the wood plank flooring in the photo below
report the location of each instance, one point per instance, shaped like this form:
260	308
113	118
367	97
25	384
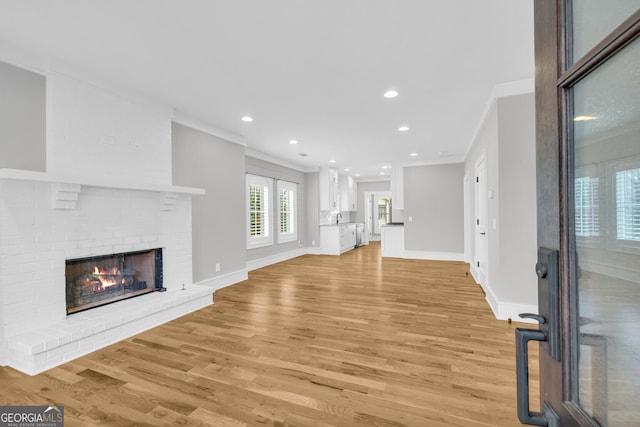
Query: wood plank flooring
353	340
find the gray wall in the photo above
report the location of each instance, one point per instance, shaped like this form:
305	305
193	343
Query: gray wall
205	161
507	139
433	197
517	192
22	119
271	170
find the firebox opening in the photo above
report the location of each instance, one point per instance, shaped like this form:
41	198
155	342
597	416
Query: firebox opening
96	281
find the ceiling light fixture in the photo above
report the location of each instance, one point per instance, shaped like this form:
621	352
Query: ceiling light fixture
403	128
413	154
391	93
347	169
381	173
293	142
584	118
357	174
332	161
385	166
247	119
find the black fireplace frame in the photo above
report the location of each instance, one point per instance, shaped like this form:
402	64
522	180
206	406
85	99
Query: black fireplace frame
158	276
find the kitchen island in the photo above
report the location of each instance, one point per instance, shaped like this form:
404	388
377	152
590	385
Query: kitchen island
392	240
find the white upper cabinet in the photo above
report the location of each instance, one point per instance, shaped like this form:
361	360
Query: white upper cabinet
328	189
348	193
397	187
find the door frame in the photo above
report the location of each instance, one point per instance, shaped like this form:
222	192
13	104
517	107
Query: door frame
555	76
480	262
368	212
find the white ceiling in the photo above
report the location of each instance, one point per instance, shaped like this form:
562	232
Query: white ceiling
313	71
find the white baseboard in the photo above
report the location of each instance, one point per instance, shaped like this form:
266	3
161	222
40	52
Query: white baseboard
313	250
224	280
511	310
492	300
435	256
502	310
276	258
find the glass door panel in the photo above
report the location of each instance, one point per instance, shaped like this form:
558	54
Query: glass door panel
594	19
606	234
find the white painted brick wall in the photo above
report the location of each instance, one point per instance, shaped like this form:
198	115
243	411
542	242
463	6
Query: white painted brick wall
91	132
35	241
94	136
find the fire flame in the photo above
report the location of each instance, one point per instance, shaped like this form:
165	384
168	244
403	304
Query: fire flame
107	278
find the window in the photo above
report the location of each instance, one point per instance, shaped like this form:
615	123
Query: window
287	210
628	205
259	191
587	206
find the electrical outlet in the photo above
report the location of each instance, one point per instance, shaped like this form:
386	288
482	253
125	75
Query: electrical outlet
313	243
217	267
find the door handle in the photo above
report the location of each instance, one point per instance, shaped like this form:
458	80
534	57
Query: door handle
523	336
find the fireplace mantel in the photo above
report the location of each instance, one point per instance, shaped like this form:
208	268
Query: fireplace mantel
66	190
25	175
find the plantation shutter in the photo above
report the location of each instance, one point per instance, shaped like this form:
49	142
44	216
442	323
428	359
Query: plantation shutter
287	211
587	206
259	211
628	205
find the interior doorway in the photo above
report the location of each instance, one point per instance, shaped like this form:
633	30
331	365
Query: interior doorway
378	212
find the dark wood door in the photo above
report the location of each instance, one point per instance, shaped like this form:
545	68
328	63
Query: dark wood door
588	178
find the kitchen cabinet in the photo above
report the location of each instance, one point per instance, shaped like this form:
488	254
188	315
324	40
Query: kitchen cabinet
328	189
397	187
337	239
348	193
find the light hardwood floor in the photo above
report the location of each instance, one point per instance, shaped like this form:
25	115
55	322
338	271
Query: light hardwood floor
353	340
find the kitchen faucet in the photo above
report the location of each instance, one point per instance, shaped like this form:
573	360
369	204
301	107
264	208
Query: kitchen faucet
338	217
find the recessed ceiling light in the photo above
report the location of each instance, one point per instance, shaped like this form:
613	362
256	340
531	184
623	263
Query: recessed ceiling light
332	161
357	174
293	142
413	154
385	167
403	128
391	93
347	169
381	173
247	119
584	118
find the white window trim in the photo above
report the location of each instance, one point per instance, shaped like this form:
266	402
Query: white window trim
258	242
293	187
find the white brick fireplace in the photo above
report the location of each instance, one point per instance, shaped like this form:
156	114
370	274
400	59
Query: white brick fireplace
107	190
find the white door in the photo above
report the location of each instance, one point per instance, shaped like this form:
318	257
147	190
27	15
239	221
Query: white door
481	240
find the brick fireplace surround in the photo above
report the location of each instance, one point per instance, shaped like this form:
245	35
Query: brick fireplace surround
107	189
42	225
